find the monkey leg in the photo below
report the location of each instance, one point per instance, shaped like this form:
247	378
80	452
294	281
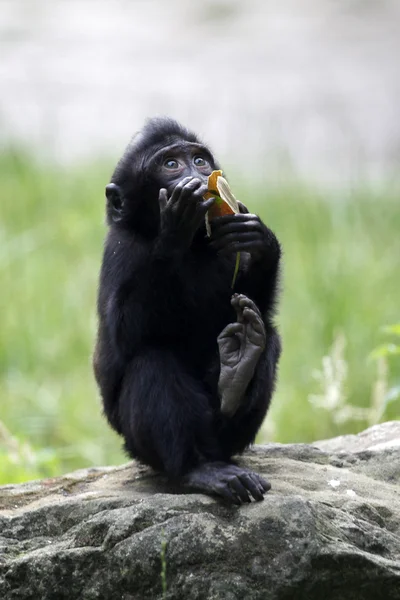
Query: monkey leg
168	423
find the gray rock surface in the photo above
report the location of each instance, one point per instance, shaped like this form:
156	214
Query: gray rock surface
328	530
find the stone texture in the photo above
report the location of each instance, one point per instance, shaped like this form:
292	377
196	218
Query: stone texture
329	529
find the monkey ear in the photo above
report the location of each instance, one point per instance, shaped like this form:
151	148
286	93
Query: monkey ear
115	201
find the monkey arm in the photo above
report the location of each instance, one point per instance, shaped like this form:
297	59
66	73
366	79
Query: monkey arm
260	278
146	278
138	293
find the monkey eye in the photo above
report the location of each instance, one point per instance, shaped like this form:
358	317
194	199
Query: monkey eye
199	161
171	163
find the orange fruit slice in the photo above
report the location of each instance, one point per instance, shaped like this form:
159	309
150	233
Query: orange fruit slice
225	202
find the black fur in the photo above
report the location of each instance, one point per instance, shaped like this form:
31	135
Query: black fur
160	312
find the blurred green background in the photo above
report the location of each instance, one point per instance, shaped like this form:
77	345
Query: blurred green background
339	373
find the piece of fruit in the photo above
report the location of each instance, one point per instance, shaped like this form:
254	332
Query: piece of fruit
225	204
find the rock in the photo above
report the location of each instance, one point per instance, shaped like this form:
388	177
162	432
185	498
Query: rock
329	529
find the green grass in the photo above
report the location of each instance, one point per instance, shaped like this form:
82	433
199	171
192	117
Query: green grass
341	276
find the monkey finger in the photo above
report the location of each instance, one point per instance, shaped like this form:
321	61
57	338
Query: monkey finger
231	248
254	318
239	297
240	490
263	482
236	301
251	247
238	309
206	205
246	243
194	207
177	190
253	486
255	338
239	227
186	211
256	335
243	209
223	490
163	198
244	302
256	346
199	193
263	485
189	187
201	207
221	242
193	193
180	197
235	218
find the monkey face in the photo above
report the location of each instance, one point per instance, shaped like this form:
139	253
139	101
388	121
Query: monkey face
180	160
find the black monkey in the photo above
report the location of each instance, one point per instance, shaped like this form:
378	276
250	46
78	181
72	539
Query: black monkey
186	366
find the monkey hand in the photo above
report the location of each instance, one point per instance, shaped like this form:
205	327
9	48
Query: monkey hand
240	347
182	214
241	232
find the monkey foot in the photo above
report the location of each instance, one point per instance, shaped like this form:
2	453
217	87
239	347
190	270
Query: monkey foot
233	483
